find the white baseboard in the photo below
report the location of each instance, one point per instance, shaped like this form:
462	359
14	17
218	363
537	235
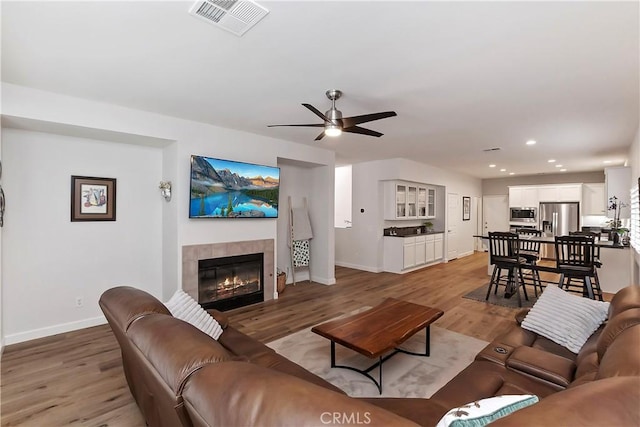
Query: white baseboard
359	267
324	280
53	330
464	254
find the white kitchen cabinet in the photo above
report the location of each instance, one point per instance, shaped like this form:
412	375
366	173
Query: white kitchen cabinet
421	255
401	200
430	252
560	193
409	252
438	245
593	199
412	199
570	193
431	203
523	197
406	200
548	193
404	254
422	202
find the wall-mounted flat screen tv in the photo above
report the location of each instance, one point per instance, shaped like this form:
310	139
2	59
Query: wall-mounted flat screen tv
230	189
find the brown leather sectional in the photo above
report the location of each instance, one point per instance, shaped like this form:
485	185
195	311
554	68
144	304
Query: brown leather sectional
181	376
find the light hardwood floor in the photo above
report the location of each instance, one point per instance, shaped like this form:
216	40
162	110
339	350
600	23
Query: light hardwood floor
76	378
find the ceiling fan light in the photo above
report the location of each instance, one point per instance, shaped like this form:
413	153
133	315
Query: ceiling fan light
332	130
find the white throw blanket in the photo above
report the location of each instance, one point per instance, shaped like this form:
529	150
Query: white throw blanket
301	227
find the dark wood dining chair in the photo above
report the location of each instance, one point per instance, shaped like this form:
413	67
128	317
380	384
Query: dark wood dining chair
576	260
530	251
504	255
596	259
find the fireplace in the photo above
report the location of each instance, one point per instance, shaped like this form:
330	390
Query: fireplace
229	282
193	254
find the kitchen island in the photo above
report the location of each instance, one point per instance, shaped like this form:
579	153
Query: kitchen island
615	272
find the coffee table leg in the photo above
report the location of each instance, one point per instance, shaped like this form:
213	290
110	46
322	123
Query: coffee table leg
428	344
333	354
427	350
364	372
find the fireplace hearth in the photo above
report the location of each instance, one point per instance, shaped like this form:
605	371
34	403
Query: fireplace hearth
229	282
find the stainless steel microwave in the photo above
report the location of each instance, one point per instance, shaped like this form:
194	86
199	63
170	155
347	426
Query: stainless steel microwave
524	215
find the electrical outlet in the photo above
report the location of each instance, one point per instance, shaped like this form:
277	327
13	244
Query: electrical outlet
79	302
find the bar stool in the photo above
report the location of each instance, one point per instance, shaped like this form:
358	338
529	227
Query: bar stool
504	249
530	251
575	259
596	259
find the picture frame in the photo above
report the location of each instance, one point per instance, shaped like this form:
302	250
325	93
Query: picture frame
466	208
93	198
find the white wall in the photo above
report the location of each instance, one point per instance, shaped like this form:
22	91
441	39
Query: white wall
175	141
361	246
48	260
1	287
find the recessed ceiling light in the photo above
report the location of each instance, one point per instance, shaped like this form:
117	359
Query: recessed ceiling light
558	166
551	161
512	173
607	161
563	170
492	166
503	170
531	142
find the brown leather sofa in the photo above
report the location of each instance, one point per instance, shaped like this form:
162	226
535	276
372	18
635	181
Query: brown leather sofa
181	376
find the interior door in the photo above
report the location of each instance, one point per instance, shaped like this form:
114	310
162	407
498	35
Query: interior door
454	216
495	215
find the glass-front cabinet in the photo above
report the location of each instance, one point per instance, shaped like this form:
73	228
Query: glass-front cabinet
431	203
405	200
411	202
422	202
401	201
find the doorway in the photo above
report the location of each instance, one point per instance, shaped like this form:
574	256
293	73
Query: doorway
454	214
495	215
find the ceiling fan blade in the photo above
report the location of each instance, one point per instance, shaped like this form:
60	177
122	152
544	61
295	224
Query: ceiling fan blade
362	131
348	122
314	125
317	112
319	137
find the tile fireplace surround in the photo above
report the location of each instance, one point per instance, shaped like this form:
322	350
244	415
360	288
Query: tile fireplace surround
191	254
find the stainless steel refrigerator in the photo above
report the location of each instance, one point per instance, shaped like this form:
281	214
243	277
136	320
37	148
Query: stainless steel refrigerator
557	219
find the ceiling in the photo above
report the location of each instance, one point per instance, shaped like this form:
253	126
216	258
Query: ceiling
462	76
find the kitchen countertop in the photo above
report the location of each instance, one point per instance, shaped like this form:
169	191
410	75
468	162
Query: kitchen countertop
551	240
414	234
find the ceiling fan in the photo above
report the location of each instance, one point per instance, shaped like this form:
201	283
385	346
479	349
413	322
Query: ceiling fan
334	124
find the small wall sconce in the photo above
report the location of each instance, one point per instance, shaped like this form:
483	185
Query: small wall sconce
165	190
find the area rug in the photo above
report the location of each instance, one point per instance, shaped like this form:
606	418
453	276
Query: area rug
499	299
403	375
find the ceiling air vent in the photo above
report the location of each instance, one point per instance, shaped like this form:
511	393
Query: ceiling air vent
487	150
235	16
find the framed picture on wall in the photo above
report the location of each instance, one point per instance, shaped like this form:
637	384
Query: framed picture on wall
93	199
466	208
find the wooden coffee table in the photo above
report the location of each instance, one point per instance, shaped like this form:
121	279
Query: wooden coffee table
377	332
